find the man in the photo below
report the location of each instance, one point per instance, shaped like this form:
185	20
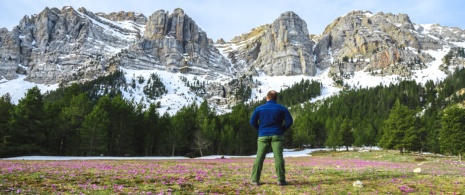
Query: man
268	120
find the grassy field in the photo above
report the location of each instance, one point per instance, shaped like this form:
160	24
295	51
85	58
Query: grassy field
381	172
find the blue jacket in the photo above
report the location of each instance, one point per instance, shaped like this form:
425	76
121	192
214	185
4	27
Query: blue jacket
268	119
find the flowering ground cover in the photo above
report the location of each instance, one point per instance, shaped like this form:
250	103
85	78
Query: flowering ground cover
381	172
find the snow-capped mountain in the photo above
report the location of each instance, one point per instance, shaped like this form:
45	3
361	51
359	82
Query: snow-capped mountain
358	49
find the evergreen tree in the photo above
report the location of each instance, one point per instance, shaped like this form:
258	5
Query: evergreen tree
335	138
6	108
206	133
152	130
121	127
177	137
27	127
452	134
53	122
94	132
71	119
399	129
347	134
303	134
227	140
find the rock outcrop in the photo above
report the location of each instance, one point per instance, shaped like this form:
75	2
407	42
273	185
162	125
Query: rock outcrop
122	16
175	43
281	48
9	54
58	46
361	40
68	45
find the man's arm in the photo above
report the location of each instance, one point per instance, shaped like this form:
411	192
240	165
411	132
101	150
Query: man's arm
288	119
254	119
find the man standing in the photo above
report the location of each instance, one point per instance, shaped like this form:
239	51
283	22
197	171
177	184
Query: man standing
268	120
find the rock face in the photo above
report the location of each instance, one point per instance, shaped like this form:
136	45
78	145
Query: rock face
59	46
175	43
361	40
281	48
9	54
122	16
64	45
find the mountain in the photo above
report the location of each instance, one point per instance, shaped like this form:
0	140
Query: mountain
387	43
362	49
281	48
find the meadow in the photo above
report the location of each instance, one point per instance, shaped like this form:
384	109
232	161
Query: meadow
380	172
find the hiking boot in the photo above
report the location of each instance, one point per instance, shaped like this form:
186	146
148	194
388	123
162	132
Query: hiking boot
282	183
255	183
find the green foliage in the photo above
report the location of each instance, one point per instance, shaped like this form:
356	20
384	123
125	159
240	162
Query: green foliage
399	130
28	133
300	92
452	134
453	53
6	108
93	133
345	59
71	121
154	87
103	85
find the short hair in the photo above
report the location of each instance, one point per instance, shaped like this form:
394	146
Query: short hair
272	95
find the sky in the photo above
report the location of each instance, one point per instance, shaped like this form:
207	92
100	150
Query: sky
229	18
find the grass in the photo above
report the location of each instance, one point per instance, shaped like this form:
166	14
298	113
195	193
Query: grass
381	172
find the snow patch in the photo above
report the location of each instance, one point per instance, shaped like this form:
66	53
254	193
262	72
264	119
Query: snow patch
17	88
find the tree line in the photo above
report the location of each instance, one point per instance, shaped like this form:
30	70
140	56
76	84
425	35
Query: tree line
79	121
407	116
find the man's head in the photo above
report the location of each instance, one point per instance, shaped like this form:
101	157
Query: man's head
272	95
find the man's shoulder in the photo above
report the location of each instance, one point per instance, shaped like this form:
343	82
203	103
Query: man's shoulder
271	106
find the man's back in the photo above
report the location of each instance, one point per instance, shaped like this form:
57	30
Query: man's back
268	119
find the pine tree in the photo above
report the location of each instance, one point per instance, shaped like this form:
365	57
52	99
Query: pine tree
27	129
334	139
227	139
176	137
452	134
94	132
399	129
152	130
303	134
71	119
121	127
6	108
347	134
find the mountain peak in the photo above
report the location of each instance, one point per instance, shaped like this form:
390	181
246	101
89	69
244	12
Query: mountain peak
178	11
289	13
359	13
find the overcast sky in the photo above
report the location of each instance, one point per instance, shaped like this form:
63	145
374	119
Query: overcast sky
229	18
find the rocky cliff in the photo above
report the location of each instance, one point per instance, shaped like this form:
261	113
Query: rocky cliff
122	16
281	48
58	46
64	45
388	43
67	45
173	42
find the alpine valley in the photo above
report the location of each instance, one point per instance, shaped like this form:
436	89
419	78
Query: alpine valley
167	59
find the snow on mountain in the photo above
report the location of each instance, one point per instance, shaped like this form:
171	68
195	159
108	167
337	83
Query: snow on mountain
179	95
17	88
112	36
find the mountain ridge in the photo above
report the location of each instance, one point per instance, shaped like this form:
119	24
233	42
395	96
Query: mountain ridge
68	45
